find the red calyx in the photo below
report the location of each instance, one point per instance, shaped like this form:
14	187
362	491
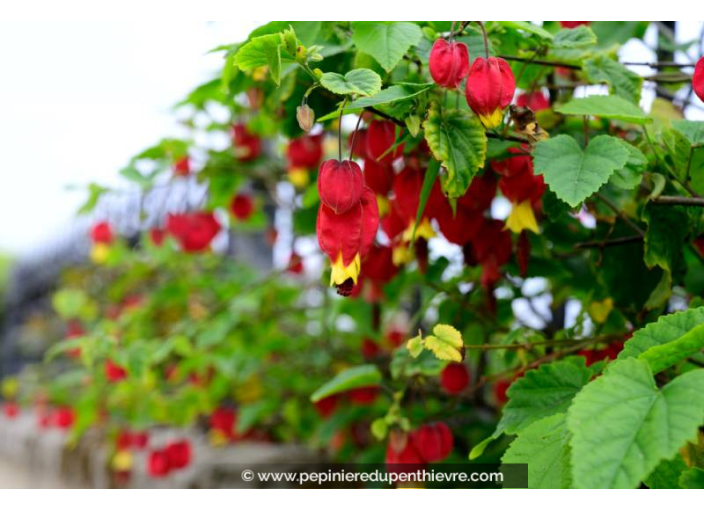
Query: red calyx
194	231
370	348
248	147
536	101
489	89
157	236
572	24
449	63
305	152
433	442
363	396
242	206
11	410
114	372
101	233
340	184
179	454
326	406
454	378
379	138
182	167
698	79
63	417
224	420
158	464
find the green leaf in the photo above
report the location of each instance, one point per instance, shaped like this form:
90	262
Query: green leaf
415	346
544	446
692	479
692	129
386	41
622	81
458	140
403	364
95	192
607	107
570	38
428	182
667	329
357	377
542	392
263	51
631	174
623	425
667	474
663	356
395	93
528	27
363	82
573	174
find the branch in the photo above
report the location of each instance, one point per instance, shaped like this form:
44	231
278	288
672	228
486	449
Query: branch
609	242
689	201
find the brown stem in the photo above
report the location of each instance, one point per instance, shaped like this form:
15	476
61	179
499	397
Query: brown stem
609	242
486	38
621	214
669	200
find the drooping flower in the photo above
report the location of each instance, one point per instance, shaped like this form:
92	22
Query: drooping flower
179	454
347	238
101	233
194	230
449	63
536	101
523	188
572	24
248	146
158	464
305	152
114	372
242	206
489	89
433	441
380	138
698	79
454	378
182	167
340	185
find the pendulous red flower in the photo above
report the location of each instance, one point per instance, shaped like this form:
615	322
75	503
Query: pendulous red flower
340	185
449	63
194	230
572	24
347	238
380	137
158	464
536	101
248	146
698	79
182	167
224	421
242	206
454	378
114	372
433	441
305	152
101	233
179	454
489	89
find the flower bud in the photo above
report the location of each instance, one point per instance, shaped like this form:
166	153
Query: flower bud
489	90
340	184
305	117
449	63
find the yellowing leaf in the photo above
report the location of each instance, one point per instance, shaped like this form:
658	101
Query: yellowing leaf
446	343
600	310
415	346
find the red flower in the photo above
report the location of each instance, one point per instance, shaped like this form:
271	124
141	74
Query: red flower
347	238
63	417
363	396
248	147
536	101
401	449
242	206
370	348
101	233
379	138
305	152
158	464
194	231
378	177
454	378
295	264
489	90
433	442
396	338
698	79
10	410
182	167
179	454
572	24
114	372
449	63
340	184
157	236
326	406
224	420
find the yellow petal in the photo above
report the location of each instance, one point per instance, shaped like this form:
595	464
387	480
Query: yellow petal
600	310
493	120
341	273
424	230
522	218
383	204
402	255
122	461
99	253
299	177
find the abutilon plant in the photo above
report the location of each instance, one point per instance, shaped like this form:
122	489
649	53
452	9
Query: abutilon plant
698	79
340	185
489	89
248	146
448	63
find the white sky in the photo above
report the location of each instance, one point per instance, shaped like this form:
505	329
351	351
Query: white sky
77	100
